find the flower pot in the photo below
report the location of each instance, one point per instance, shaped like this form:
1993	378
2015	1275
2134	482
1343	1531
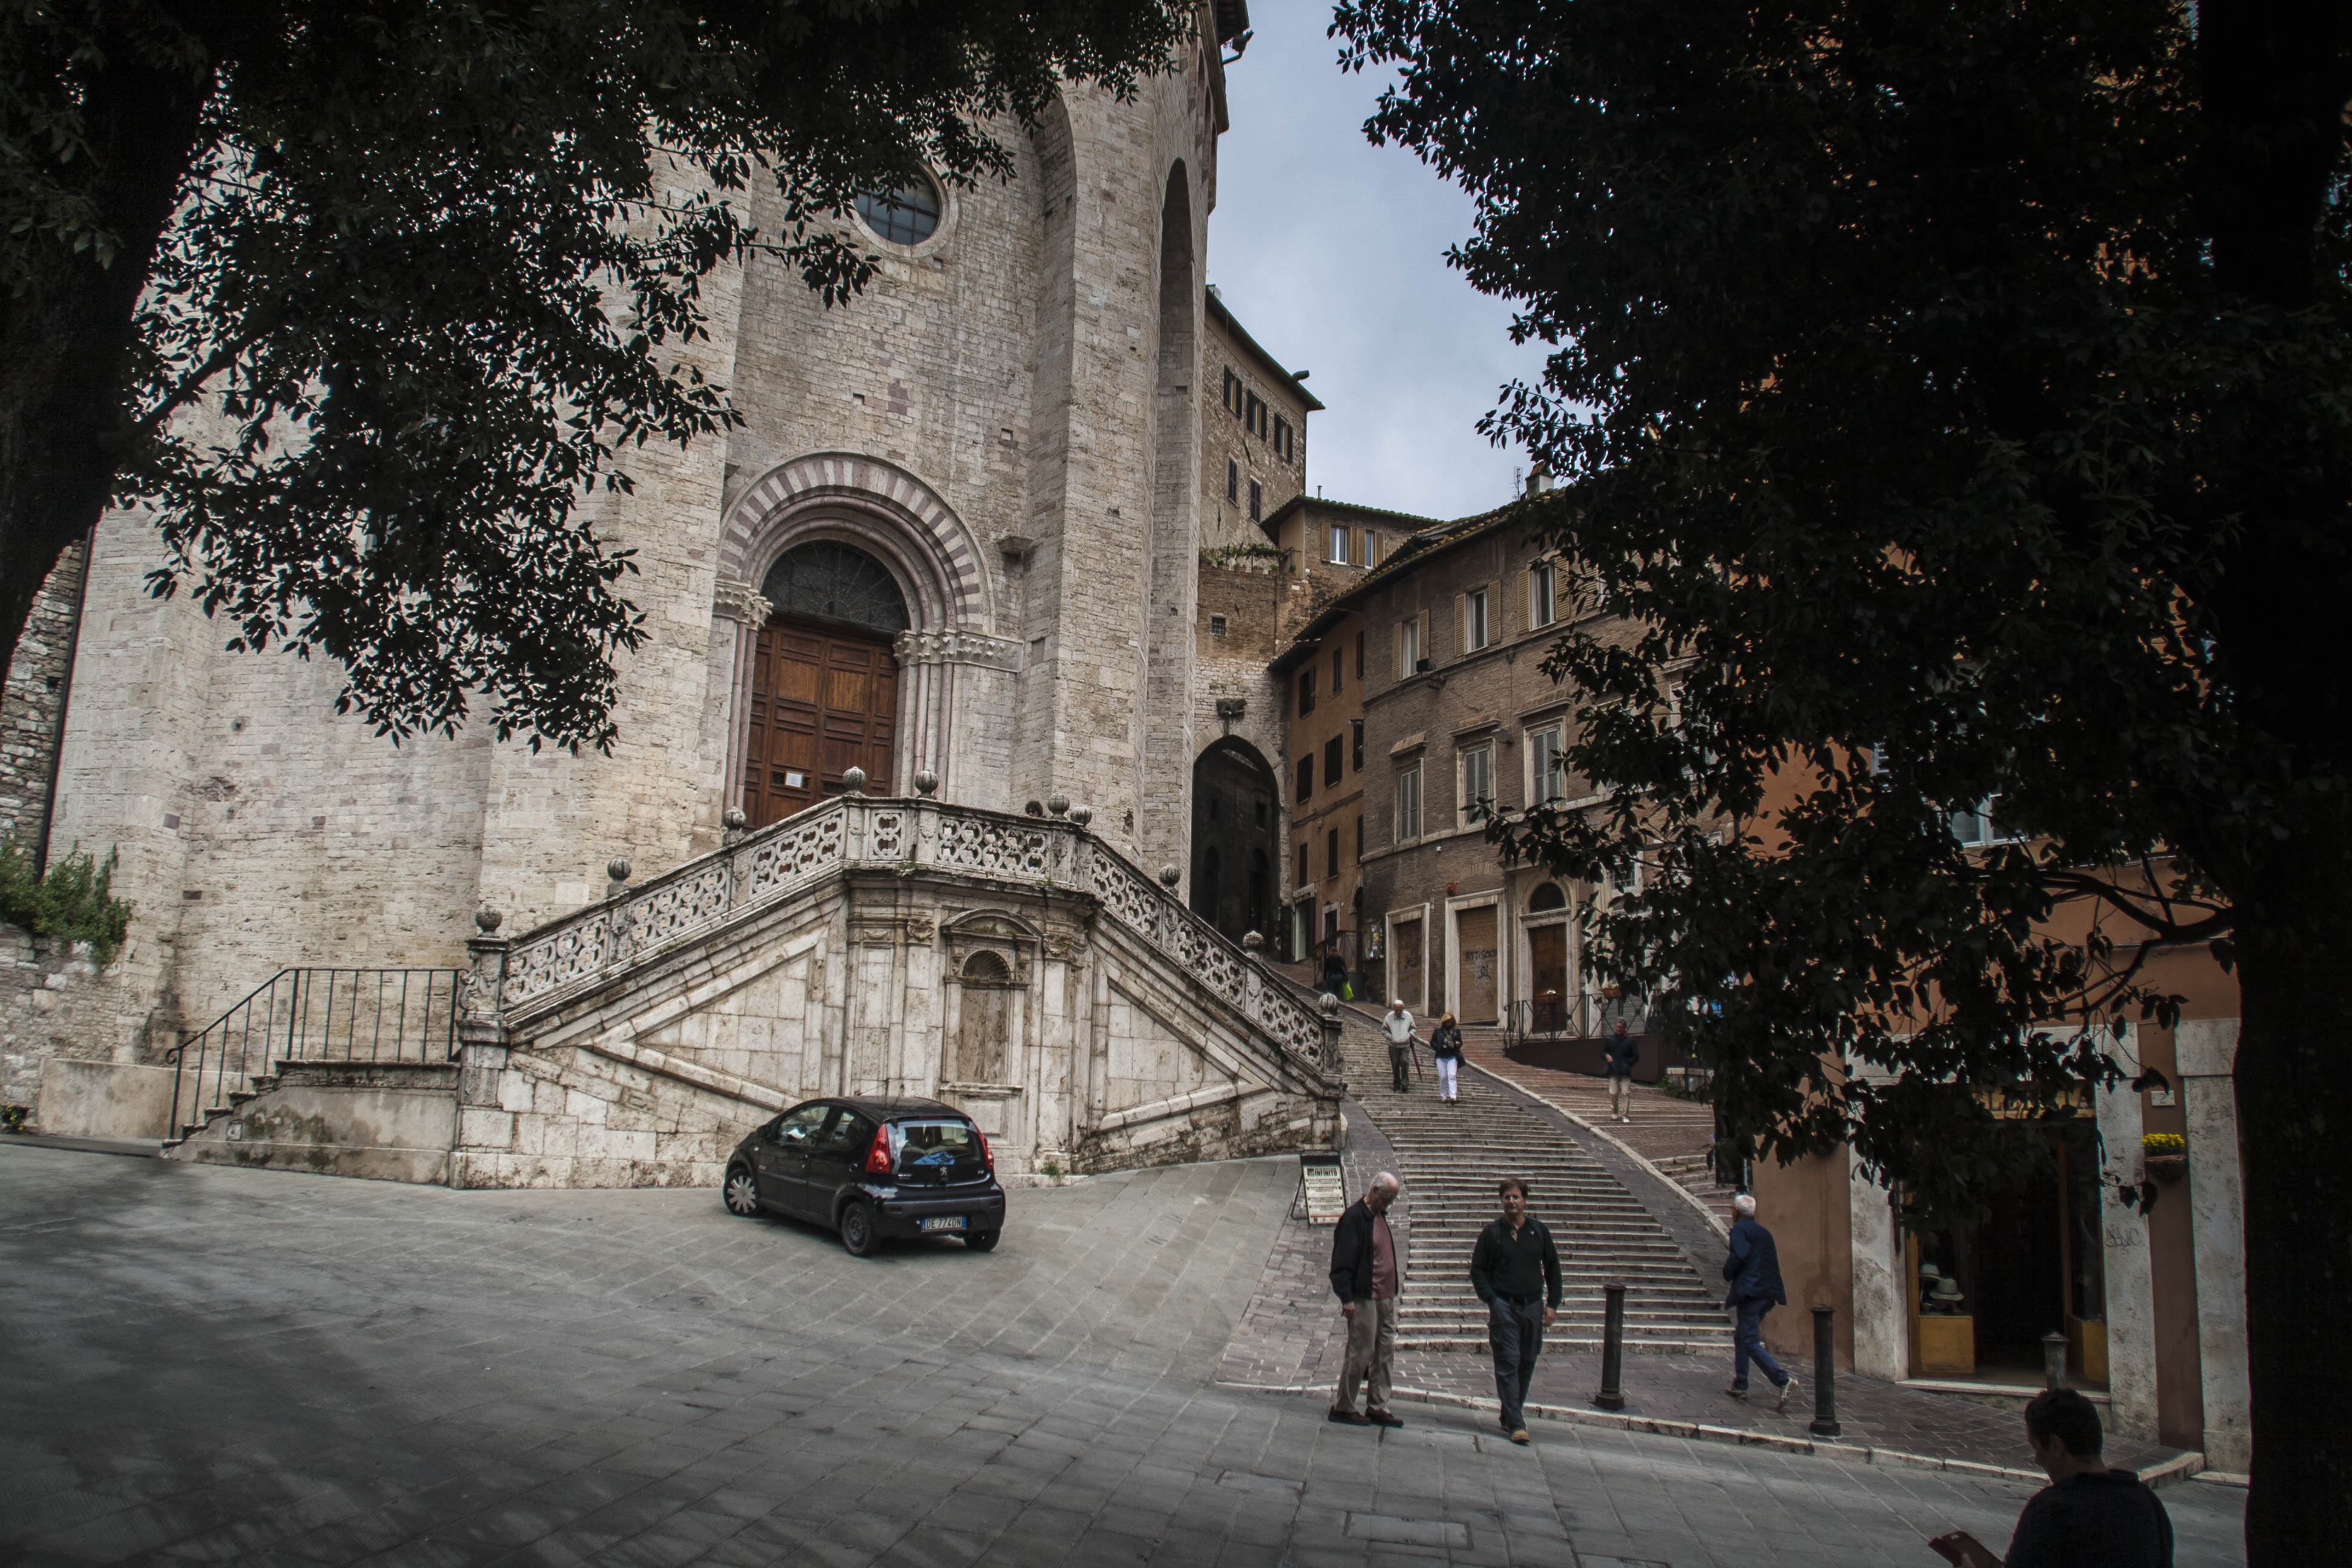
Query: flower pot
2167	1168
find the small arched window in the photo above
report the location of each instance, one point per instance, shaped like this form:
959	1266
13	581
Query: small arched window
1548	897
985	968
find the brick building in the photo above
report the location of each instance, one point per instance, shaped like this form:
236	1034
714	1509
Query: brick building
1329	549
1456	713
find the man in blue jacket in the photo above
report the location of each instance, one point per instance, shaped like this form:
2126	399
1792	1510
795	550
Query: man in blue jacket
1753	1266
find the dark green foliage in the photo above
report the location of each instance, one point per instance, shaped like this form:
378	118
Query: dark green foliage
1957	396
75	902
438	267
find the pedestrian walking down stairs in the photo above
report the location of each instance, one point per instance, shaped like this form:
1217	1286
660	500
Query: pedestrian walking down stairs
1450	1156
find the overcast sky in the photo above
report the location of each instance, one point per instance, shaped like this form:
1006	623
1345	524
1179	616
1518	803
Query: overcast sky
1331	252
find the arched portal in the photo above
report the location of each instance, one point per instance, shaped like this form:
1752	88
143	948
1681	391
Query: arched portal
869	639
1233	844
824	681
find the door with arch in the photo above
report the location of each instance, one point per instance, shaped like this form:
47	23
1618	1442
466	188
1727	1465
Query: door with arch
824	682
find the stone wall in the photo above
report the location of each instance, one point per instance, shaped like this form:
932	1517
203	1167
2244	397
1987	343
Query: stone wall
54	1005
32	708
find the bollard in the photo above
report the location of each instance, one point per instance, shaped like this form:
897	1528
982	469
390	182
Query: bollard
2053	1360
1612	1348
1825	1421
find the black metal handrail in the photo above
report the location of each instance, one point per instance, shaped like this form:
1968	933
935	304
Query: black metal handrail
315	1014
1560	1015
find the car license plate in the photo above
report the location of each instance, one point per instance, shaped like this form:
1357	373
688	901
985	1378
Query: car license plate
944	1222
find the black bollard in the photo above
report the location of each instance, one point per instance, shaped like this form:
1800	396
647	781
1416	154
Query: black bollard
2054	1361
1612	1348
1825	1421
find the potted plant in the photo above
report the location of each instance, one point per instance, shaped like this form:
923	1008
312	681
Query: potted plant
2165	1155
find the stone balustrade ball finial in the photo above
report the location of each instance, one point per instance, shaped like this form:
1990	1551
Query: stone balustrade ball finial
617	868
926	782
1082	814
1252	942
1170	876
853	781
1057	803
1330	1005
736	820
485	920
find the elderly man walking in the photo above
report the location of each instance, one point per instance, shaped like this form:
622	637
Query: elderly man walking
1752	1264
1364	1277
1397	1025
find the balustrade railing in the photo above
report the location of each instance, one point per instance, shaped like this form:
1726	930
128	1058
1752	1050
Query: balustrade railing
315	1014
568	955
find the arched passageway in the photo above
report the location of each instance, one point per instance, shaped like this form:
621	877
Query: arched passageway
1233	845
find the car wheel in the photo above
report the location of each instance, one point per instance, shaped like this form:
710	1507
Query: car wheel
983	1240
857	1229
741	1192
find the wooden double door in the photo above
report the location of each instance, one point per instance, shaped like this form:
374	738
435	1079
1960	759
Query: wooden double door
824	700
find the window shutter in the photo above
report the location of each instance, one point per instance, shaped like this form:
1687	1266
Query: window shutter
1461	623
1527	599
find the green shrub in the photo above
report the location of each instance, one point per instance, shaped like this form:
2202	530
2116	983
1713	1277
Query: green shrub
75	902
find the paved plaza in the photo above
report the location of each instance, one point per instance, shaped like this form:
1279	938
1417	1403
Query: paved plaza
213	1365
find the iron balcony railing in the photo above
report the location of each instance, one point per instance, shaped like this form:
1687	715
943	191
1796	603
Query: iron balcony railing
315	1015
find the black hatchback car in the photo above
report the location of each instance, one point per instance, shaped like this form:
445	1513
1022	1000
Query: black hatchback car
872	1168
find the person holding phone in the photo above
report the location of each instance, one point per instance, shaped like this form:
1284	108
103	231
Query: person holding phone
2088	1516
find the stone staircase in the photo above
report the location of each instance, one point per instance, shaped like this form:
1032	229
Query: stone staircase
1450	1156
1675	1135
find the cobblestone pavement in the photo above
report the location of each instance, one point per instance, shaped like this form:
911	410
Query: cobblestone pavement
212	1364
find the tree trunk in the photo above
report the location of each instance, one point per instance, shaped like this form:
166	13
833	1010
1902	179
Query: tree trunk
2294	1112
65	345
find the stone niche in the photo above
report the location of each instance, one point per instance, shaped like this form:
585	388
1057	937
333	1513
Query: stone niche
987	1041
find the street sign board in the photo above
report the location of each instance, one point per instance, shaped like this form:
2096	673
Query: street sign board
1322	1188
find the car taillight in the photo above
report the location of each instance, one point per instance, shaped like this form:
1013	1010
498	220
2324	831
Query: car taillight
986	1158
877	1158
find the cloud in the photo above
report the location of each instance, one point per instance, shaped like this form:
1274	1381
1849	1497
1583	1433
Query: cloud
1331	252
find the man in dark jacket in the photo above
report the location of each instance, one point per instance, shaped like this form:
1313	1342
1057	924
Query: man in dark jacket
1514	1269
1364	1270
2088	1516
1753	1266
1623	1052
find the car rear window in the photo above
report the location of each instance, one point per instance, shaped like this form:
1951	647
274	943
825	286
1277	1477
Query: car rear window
958	1138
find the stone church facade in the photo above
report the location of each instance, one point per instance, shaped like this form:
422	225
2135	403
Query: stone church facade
958	538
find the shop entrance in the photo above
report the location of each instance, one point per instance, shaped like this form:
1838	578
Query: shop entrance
1983	1295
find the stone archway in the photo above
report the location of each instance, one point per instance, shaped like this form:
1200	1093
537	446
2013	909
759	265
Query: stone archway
1235	804
954	676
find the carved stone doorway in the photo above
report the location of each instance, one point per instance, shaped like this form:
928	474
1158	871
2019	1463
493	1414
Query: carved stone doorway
824	698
